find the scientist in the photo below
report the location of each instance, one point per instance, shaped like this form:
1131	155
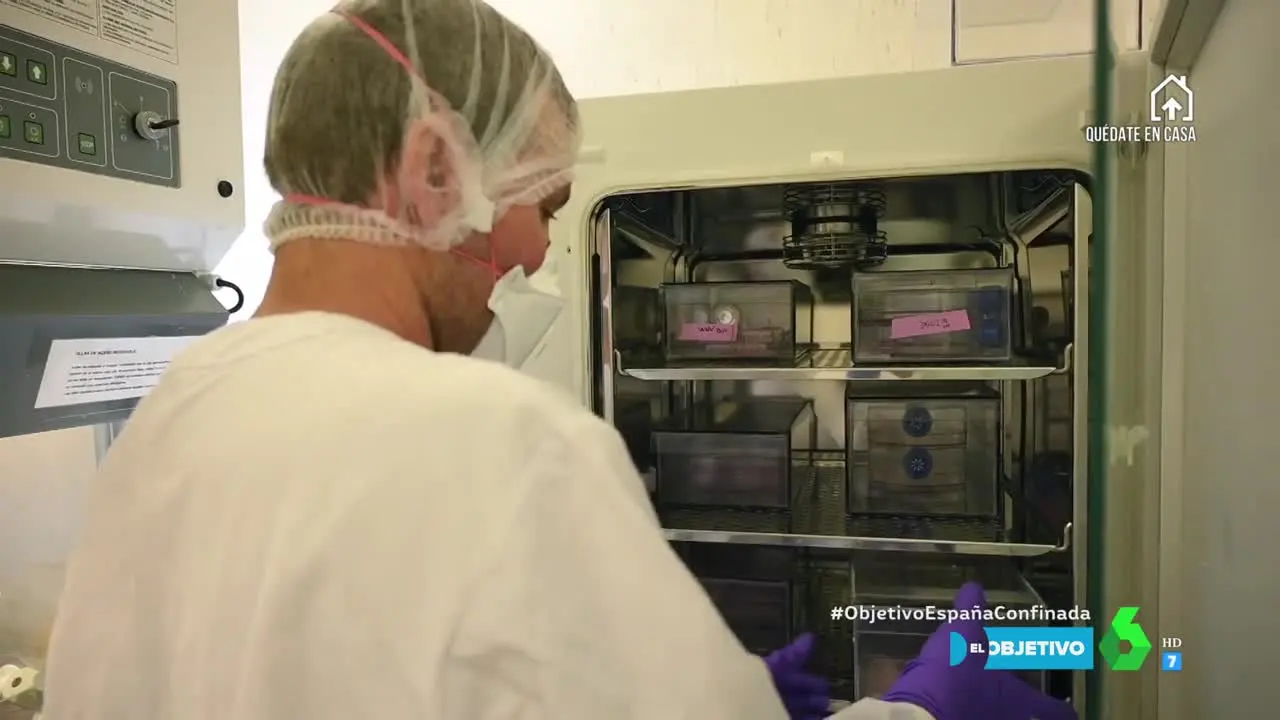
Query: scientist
353	505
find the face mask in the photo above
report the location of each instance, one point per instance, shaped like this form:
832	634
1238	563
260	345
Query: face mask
524	309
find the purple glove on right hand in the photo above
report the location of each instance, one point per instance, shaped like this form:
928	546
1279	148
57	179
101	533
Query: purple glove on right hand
969	691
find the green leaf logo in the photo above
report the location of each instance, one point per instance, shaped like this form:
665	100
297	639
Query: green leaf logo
1125	629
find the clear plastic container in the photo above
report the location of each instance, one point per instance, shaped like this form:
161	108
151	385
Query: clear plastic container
762	321
924	449
757	590
757	611
733	454
886	580
932	316
881	658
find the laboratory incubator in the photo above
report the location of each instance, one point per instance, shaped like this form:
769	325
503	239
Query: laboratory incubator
860	374
869	338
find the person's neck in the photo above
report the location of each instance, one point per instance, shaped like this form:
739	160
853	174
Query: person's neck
372	284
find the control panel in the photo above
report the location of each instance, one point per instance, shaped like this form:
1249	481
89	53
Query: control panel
69	109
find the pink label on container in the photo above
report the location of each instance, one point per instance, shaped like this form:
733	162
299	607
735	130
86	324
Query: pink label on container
708	332
911	326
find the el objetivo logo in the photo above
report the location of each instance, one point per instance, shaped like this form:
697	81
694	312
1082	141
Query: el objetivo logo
1058	648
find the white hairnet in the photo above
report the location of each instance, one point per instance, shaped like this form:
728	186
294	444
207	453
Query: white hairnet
361	79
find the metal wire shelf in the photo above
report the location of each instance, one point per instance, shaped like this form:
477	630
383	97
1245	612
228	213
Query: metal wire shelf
818	519
835	363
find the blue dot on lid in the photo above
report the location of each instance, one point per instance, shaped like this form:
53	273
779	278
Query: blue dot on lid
917	421
918	463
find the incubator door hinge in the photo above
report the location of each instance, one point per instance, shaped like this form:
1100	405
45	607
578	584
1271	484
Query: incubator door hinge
1134	150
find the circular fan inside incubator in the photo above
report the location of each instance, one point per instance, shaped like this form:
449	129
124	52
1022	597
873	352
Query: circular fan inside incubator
834	226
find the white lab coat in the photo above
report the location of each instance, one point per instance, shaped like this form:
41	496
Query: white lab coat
310	518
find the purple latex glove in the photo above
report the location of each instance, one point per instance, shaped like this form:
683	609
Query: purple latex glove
968	691
805	696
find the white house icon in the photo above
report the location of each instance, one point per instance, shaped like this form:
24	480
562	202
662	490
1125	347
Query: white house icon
1171	109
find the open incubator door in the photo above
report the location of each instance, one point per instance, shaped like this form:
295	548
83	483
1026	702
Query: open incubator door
1122	477
1183	353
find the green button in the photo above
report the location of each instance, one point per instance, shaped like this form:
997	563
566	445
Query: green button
37	72
6	128
8	64
33	132
88	144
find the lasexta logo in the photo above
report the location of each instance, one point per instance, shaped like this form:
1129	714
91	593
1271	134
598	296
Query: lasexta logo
1125	629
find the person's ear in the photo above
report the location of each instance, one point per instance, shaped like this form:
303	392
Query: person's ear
427	181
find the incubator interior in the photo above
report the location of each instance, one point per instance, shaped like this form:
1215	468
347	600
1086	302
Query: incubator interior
850	393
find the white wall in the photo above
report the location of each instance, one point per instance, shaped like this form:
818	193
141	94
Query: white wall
619	48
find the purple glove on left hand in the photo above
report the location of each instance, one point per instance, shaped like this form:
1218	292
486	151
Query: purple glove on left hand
806	696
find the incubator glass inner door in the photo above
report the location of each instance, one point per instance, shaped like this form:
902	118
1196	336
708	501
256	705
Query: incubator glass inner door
1124	356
